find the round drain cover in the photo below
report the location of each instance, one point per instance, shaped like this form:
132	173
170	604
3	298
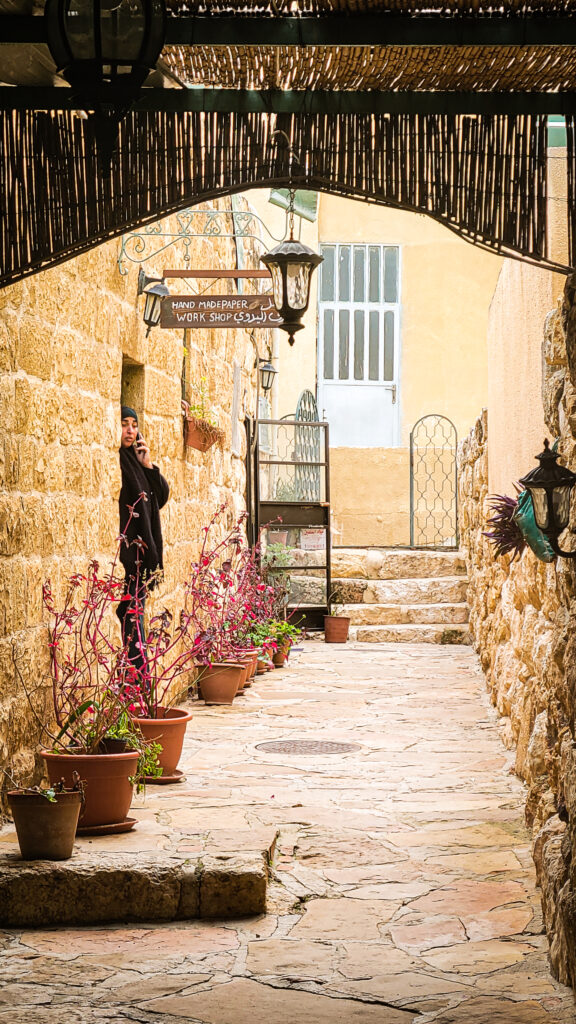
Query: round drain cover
306	747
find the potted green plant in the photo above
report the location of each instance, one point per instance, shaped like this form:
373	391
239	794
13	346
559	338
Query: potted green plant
201	429
284	634
45	817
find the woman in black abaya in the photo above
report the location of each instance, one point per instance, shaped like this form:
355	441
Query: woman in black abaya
141	548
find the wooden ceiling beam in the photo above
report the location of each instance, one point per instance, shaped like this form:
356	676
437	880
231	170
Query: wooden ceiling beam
305	101
338	30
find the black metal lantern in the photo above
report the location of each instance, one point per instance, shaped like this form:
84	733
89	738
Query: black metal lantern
104	46
550	487
291	264
267	374
155	290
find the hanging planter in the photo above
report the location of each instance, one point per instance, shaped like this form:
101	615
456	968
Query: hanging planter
201	434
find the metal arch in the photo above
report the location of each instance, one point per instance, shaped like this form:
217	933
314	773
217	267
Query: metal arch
433	483
307	448
306	408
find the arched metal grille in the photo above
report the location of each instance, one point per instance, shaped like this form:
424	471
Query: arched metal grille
307	449
433	483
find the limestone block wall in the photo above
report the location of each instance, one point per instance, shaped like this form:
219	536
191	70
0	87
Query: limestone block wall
72	345
523	620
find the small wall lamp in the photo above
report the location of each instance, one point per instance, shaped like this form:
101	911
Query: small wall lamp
155	290
550	487
267	373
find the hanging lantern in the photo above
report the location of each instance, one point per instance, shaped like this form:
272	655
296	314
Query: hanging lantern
550	487
99	45
291	265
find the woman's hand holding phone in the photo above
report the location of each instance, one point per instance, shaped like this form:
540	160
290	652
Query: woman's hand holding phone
142	451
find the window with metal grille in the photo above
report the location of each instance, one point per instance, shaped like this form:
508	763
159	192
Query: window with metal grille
359	313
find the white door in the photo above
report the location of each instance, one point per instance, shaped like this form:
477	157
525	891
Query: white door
359	339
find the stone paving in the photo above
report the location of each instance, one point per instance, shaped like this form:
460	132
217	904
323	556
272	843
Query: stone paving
402	888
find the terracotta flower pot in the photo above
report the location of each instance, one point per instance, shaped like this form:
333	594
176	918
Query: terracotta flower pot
168	729
219	682
200	434
107	785
336	629
45	829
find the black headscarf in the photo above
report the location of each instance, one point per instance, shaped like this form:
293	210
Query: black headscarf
137	479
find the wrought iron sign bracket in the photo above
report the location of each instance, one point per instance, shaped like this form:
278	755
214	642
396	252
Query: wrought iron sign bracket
136	246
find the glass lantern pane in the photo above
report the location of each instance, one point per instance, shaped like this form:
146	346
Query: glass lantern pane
79	29
540	502
297	284
277	286
122	25
561	506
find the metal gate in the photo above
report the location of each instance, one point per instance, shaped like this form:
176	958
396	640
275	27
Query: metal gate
290	509
433	483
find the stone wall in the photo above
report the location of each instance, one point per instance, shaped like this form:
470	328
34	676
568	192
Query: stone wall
523	620
72	344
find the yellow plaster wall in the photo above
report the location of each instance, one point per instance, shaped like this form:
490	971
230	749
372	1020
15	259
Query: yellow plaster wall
446	288
523	298
63	334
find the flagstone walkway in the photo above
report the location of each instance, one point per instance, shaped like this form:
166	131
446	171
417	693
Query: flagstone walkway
402	890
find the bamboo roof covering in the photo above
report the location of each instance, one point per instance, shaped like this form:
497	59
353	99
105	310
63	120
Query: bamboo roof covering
466	142
463	69
467	8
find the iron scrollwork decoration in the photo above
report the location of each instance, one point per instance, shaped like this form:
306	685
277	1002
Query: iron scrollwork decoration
150	241
433	483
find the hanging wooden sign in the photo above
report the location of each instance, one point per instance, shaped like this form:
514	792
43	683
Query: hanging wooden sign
219	311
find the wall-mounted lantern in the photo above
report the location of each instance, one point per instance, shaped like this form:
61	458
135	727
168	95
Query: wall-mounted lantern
155	290
550	487
267	373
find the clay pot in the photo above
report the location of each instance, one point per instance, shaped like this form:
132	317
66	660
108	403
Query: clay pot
281	654
106	778
219	683
261	667
336	629
278	536
45	829
200	435
168	728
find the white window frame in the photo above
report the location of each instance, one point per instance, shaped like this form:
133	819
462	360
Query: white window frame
367	307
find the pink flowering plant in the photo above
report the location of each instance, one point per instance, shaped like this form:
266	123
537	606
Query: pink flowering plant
225	593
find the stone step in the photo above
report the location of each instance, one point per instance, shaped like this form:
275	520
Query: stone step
97	890
442	590
434	633
397	614
395	563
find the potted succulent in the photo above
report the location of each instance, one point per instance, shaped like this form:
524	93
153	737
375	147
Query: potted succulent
201	429
45	817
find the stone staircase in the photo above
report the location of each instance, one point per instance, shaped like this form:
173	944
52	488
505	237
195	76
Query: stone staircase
395	594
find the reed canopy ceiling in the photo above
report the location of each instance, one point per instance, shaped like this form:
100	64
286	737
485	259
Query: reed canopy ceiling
438	106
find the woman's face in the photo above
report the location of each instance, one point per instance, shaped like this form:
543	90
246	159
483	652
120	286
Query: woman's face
129	431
